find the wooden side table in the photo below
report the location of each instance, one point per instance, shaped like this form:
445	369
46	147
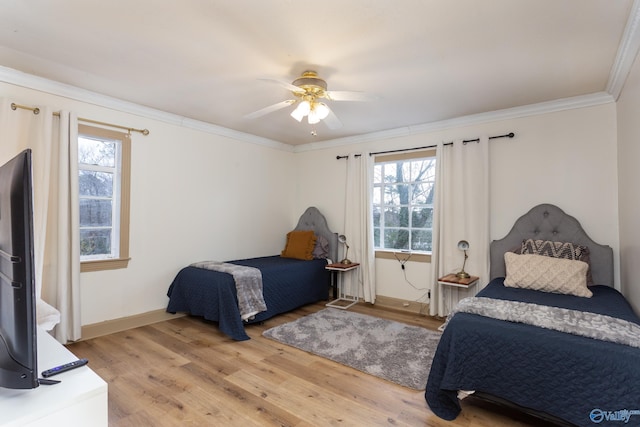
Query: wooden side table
453	281
342	300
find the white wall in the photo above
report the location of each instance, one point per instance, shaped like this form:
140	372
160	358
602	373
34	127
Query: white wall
567	158
194	196
197	195
628	177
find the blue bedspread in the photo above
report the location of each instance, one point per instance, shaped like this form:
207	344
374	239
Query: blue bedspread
569	377
287	284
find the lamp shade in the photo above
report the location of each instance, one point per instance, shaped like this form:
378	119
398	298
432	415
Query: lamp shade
322	111
301	110
313	117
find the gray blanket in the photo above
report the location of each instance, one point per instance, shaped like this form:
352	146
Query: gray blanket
586	324
248	286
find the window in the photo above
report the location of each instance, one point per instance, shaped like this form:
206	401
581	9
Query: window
403	188
104	159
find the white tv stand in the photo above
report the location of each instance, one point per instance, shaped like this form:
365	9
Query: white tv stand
79	400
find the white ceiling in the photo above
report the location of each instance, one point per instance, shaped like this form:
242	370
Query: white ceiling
425	61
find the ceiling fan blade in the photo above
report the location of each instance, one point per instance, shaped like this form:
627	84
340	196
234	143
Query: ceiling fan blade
270	109
284	84
343	95
332	121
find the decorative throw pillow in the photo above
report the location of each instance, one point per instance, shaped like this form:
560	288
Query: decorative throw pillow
321	250
547	274
300	245
564	250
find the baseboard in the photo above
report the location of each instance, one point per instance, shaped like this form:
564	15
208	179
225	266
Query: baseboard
122	324
402	305
118	325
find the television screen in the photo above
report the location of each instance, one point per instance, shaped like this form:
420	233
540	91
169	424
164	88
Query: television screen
18	327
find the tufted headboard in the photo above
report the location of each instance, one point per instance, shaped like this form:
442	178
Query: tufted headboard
312	219
549	222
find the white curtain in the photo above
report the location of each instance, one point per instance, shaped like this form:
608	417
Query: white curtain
358	227
61	273
54	163
461	212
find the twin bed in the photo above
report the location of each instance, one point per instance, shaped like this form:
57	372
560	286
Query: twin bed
553	368
287	283
557	369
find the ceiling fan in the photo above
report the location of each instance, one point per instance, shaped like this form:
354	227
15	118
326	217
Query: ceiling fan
309	91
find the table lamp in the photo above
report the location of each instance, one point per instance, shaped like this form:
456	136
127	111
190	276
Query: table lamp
463	245
343	239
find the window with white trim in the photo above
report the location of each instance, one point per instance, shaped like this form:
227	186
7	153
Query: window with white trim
403	187
103	183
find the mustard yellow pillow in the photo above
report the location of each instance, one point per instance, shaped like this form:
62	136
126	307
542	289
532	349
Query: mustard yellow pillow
300	245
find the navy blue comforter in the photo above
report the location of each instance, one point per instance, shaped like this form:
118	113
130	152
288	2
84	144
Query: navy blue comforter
583	381
287	284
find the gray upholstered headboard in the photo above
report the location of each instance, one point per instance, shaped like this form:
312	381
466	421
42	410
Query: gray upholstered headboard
549	222
312	219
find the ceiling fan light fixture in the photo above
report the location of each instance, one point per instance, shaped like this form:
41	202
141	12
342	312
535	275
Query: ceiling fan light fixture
297	115
301	110
313	117
321	110
308	90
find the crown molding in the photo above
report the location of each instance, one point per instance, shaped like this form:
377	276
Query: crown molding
627	52
563	104
625	57
29	81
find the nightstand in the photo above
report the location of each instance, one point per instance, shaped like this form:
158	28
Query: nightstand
455	281
342	300
451	281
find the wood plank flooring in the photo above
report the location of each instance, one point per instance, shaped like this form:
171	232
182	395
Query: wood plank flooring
184	372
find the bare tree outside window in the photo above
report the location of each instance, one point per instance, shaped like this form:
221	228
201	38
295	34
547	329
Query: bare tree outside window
97	182
103	186
403	204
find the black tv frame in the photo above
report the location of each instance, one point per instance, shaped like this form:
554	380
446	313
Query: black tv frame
18	321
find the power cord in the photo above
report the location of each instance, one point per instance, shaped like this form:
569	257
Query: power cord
402	261
426	296
404	271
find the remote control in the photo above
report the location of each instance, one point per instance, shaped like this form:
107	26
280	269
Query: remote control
64	368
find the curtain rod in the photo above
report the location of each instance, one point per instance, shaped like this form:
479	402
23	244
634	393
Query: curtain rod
36	110
507	135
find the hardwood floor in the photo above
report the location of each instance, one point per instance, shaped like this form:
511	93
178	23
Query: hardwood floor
184	372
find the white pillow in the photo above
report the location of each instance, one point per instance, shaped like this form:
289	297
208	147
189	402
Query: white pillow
547	274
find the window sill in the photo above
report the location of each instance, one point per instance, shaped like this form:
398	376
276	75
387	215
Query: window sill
104	264
412	256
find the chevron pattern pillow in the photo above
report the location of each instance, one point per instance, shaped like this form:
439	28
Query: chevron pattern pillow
564	250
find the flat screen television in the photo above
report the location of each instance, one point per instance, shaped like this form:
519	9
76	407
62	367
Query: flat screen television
18	327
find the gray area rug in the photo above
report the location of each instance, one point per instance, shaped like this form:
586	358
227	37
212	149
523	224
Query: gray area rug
390	350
